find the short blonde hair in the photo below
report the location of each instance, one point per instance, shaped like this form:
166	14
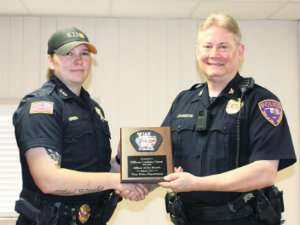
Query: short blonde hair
222	20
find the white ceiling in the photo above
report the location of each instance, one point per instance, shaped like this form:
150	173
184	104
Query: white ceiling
240	9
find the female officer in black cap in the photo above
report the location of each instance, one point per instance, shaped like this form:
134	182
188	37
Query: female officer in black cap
64	143
230	136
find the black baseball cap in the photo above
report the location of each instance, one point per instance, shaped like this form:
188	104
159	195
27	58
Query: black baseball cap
62	41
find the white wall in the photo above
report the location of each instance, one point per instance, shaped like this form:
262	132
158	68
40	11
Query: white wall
142	64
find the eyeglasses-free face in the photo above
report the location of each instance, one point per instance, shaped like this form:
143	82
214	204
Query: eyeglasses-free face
219	54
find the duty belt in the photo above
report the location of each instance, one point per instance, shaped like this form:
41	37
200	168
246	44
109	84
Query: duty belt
83	212
236	209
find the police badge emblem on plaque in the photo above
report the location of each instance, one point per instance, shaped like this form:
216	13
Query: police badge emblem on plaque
146	140
146	154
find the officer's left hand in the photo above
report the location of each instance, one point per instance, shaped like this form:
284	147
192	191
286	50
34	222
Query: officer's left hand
179	181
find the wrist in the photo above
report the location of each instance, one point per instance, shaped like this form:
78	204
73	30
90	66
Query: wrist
115	181
196	183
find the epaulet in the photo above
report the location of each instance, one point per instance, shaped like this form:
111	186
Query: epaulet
45	90
196	86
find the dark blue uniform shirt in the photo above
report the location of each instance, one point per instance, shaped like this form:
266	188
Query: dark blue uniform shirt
72	126
264	133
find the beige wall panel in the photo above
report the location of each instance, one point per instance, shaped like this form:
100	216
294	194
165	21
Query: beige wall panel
64	22
15	86
4	56
133	72
48	26
188	34
30	77
105	78
174	71
156	71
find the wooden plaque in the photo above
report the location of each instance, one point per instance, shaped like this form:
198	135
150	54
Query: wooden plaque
146	154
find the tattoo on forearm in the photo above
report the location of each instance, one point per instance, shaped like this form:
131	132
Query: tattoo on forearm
89	190
63	192
54	155
80	191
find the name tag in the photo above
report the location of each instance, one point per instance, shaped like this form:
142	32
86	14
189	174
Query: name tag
185	115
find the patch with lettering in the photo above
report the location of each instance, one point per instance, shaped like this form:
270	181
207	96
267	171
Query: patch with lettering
271	110
73	118
234	106
41	107
185	115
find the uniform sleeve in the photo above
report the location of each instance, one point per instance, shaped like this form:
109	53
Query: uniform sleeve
37	124
270	137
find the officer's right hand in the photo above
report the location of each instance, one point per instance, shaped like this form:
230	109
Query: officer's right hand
133	192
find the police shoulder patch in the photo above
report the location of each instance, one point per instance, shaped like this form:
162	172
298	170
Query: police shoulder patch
271	110
41	107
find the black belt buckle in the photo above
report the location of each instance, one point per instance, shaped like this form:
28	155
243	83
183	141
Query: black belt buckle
84	213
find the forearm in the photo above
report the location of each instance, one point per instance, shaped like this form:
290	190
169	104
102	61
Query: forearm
69	182
52	179
254	176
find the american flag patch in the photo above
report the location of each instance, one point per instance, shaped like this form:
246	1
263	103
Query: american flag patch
43	107
271	110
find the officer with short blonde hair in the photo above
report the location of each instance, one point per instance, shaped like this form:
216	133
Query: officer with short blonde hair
230	137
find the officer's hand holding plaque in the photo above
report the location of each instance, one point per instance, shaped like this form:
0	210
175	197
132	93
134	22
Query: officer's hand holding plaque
146	154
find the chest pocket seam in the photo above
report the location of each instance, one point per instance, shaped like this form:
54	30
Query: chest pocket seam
77	129
229	126
180	125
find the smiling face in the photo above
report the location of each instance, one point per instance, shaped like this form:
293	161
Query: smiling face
74	67
219	53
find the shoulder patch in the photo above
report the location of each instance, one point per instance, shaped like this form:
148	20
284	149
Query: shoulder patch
41	107
271	110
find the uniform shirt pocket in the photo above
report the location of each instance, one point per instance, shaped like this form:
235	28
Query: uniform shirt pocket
79	142
222	145
76	130
183	136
